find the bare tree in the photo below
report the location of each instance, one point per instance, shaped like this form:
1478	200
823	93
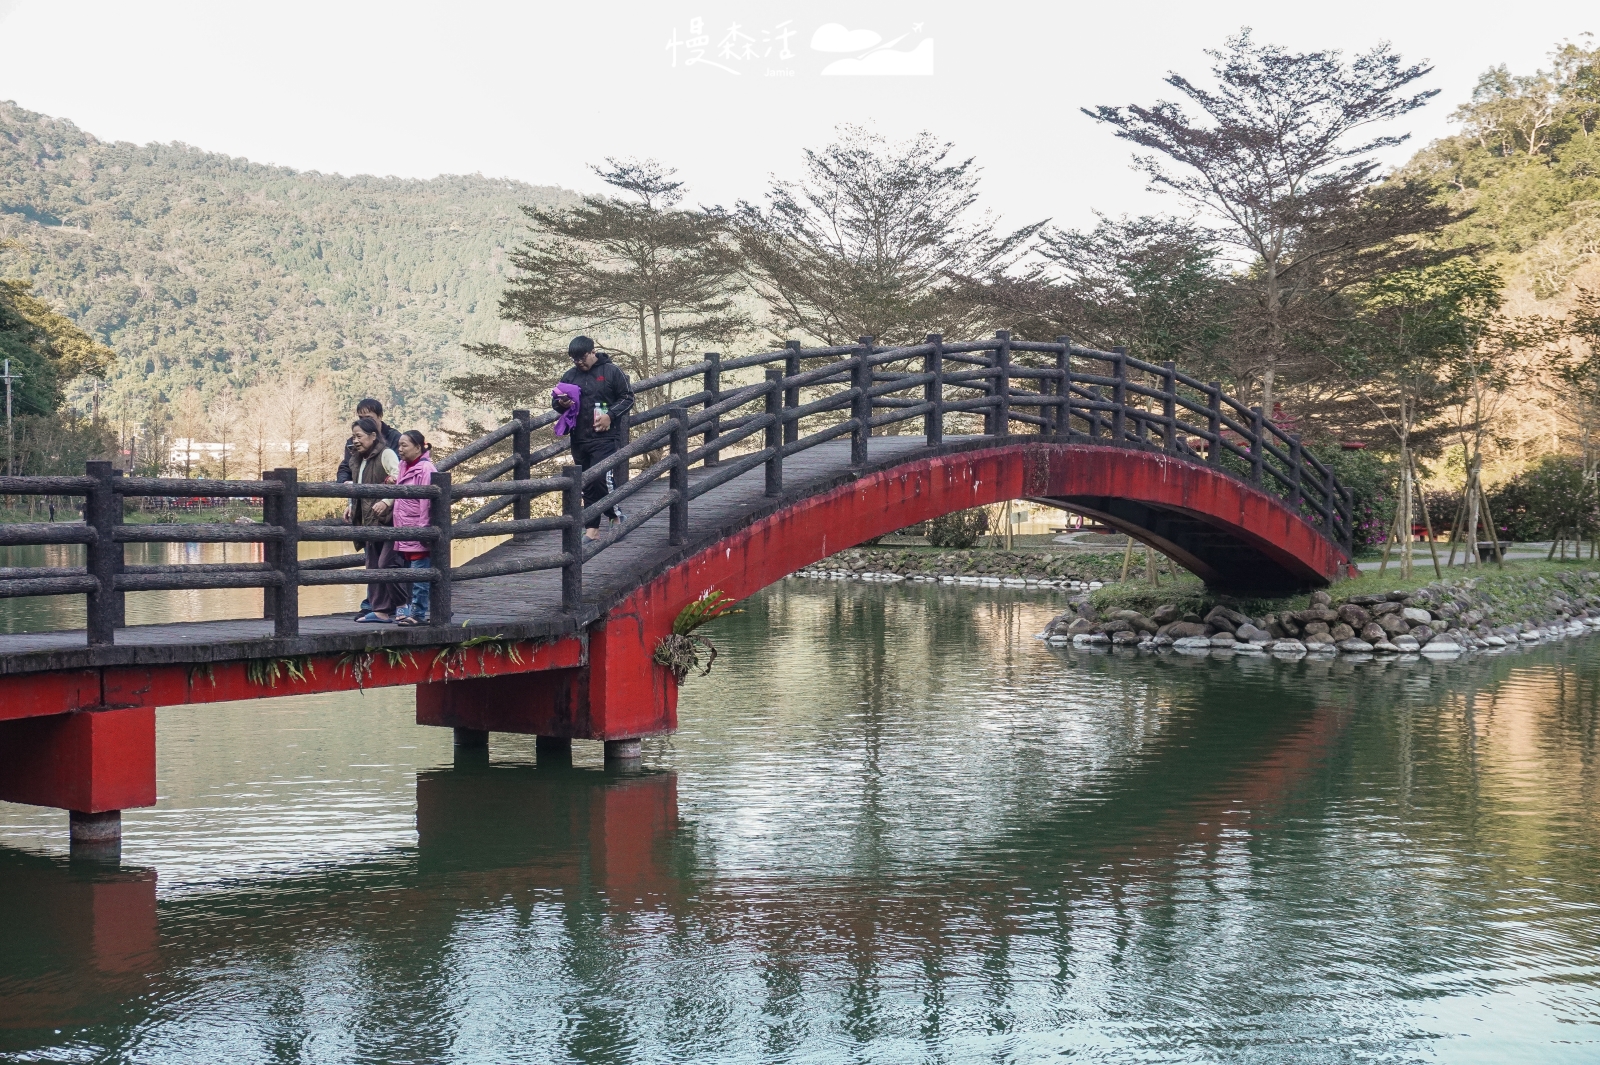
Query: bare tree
223	413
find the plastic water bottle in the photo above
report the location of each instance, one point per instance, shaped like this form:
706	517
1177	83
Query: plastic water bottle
599	409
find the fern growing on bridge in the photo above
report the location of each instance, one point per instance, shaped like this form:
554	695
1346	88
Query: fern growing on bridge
680	651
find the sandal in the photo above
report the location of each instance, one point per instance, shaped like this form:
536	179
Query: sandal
374	619
406	620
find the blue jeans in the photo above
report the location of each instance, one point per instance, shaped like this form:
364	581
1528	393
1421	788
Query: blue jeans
420	591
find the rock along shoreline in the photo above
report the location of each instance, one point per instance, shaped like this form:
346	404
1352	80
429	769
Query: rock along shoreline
1444	619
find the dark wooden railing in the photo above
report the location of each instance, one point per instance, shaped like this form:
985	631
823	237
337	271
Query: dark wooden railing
997	388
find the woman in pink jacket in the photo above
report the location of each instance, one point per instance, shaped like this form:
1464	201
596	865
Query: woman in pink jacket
416	467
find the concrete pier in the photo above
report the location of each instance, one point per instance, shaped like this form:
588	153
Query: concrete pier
629	750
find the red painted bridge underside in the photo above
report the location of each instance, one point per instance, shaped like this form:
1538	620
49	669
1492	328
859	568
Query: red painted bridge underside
602	684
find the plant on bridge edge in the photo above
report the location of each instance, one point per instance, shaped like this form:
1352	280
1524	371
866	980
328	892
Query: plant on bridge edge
680	651
359	663
454	656
264	672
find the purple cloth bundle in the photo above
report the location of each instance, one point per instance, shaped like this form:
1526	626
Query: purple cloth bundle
569	417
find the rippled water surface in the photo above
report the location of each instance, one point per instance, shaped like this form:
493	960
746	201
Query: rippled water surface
893	828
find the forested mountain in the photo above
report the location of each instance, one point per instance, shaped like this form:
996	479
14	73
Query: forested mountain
202	269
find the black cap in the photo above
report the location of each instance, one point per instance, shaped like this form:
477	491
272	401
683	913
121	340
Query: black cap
579	347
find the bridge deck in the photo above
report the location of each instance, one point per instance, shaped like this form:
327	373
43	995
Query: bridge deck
526	605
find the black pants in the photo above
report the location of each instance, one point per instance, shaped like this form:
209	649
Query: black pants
588	453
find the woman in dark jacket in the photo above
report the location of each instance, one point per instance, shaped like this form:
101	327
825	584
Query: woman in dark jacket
373	462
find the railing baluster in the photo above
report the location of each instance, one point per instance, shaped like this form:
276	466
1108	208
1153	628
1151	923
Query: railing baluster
1119	396
1169	405
861	406
775	432
99	555
713	385
572	540
933	392
269	551
1064	389
791	396
1002	383
439	605
1348	507
522	447
119	560
1296	458
1214	414
1257	456
678	479
1327	506
286	513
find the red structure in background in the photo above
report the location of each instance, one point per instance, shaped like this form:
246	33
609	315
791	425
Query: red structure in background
84	740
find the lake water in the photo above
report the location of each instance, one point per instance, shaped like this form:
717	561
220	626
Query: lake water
893	827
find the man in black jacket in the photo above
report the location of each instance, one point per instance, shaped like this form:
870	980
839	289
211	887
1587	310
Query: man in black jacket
367	408
605	398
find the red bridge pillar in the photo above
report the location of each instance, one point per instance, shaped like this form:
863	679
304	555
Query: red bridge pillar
95	763
618	696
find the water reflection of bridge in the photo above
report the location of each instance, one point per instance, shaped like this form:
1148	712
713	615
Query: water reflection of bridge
595	847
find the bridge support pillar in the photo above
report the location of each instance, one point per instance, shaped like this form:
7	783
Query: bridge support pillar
94	763
471	737
629	750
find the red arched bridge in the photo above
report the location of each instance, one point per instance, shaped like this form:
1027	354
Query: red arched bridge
732	486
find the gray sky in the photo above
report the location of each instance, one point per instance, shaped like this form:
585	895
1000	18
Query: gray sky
536	91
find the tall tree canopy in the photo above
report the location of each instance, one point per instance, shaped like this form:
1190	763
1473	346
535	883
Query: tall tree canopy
46	350
1150	284
649	279
1273	157
878	239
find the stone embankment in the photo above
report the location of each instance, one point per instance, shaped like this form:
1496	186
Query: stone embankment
1443	618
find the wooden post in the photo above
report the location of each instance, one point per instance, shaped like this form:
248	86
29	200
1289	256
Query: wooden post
439	606
1258	429
1063	421
791	396
713	385
1494	533
1296	460
119	561
269	551
1214	423
522	447
1347	508
1119	396
933	391
861	407
572	540
1150	574
286	604
1002	384
775	433
1169	405
1327	503
678	479
1427	523
1405	514
1127	561
100	554
1474	559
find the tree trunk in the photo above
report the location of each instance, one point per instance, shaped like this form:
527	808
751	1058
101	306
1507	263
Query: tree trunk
1269	372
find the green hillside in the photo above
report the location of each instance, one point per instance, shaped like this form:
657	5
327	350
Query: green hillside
198	268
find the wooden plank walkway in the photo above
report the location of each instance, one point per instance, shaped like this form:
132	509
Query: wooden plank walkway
524	605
